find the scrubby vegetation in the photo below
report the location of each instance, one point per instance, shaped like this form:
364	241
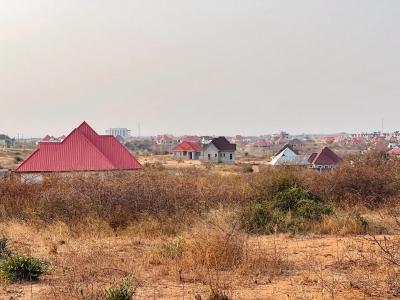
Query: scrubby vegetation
122	291
196	226
282	197
292	208
22	268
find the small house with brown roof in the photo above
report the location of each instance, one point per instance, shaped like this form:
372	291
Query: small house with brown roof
187	151
220	150
325	159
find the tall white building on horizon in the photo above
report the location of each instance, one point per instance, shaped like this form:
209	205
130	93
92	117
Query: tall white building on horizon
122	132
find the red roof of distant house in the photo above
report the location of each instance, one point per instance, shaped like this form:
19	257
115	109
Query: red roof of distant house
324	157
191	139
262	143
165	137
82	150
394	151
312	157
187	146
378	146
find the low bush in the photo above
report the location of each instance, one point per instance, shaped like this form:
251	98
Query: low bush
215	250
258	218
292	208
122	291
173	248
370	180
22	268
18	159
344	223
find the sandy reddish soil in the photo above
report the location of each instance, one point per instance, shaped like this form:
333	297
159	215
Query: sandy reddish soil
324	267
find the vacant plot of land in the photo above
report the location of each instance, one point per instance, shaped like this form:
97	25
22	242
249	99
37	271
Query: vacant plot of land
280	233
298	268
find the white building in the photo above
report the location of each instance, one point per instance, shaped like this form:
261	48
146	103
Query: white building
288	156
220	150
122	132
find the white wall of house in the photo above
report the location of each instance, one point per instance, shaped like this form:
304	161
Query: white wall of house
227	157
288	157
186	155
212	154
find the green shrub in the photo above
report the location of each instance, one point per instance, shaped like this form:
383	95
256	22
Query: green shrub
18	159
173	248
122	291
290	209
284	179
289	198
311	210
22	268
257	218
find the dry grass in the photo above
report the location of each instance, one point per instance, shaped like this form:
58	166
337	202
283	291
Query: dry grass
177	233
266	267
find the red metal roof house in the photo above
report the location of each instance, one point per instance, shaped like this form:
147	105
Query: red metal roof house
325	159
82	150
187	151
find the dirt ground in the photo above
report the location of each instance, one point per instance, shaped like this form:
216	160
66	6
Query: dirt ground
317	267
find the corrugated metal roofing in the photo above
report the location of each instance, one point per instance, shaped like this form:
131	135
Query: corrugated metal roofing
187	146
82	150
324	157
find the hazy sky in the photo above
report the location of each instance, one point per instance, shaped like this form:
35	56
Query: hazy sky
199	67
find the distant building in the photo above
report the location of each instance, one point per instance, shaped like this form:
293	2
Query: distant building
237	139
220	150
325	159
262	143
296	144
187	151
51	139
82	150
121	132
165	140
205	139
191	139
395	151
6	141
288	156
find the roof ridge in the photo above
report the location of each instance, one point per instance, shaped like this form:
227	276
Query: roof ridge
85	124
97	148
120	145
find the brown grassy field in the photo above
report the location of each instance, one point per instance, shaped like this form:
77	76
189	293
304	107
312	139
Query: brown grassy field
176	233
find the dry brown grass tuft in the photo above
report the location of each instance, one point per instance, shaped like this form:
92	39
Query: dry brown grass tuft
214	249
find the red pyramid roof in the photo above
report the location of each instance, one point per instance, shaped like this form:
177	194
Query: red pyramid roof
82	150
187	146
324	157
